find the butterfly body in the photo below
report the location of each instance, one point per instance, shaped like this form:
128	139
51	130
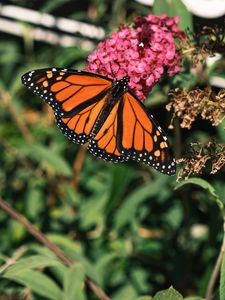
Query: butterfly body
119	87
90	108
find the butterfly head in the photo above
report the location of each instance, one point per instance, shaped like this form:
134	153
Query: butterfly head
124	81
120	86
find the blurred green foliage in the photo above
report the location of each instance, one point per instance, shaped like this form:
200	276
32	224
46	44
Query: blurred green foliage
124	225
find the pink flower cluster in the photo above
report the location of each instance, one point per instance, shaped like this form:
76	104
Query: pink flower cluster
142	53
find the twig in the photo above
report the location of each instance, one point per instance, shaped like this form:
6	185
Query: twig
189	50
18	253
77	166
51	246
216	270
35	232
186	209
6	99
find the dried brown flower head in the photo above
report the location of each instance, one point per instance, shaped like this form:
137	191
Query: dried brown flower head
197	156
188	105
219	160
208	41
212	39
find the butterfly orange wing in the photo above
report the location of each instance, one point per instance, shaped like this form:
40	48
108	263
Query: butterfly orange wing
141	138
105	143
128	132
76	97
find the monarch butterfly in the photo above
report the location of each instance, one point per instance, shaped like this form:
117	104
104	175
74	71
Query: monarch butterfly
93	108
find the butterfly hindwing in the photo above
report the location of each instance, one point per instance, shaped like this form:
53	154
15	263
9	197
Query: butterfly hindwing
79	126
105	143
141	138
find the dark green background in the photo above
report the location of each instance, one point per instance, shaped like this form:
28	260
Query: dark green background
124	222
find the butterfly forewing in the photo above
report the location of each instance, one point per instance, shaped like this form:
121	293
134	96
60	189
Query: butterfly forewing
141	138
77	98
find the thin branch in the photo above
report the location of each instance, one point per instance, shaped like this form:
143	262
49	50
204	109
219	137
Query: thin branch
51	246
18	253
35	232
6	99
216	270
78	164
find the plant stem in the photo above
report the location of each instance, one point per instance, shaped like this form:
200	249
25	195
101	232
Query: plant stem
6	99
19	252
35	232
189	50
51	246
216	270
177	137
188	262
77	165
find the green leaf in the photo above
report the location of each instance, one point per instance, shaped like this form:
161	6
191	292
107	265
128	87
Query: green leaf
49	6
74	283
129	207
31	262
169	294
48	158
58	270
144	298
74	251
34	201
102	265
193	298
126	292
9	53
92	211
64	242
205	185
174	215
140	277
38	283
71	196
17	230
120	173
177	8
160	7
197	181
222	279
220	130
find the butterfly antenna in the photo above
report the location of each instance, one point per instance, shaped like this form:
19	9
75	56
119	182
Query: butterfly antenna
114	75
112	70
